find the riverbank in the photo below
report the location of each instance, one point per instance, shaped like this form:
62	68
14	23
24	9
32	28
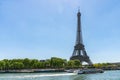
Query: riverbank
32	71
42	70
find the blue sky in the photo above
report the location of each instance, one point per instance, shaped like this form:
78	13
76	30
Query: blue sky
44	28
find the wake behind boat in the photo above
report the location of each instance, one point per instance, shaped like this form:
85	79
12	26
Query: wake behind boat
85	71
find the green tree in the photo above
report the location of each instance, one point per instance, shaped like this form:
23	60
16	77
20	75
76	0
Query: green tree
48	63
17	65
26	63
7	64
70	64
74	64
33	63
77	63
2	65
57	62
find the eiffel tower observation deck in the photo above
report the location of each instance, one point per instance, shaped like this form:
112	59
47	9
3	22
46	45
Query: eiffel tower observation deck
79	51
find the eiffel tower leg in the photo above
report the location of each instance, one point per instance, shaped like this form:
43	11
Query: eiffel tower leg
79	52
74	53
88	61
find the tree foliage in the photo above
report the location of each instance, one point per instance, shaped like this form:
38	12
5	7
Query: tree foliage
74	64
54	62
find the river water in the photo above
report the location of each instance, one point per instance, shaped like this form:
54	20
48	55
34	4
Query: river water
107	75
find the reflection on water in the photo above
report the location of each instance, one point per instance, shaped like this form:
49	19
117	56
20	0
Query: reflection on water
108	75
80	77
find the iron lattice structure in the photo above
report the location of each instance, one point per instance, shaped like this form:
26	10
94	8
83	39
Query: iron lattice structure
79	49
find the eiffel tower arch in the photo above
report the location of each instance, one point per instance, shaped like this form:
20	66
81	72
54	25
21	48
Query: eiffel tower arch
79	51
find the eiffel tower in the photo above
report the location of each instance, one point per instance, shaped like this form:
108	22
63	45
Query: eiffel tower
79	48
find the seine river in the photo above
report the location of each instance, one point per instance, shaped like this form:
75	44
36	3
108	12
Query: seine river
107	75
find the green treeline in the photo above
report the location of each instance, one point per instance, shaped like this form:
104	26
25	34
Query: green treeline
54	62
107	66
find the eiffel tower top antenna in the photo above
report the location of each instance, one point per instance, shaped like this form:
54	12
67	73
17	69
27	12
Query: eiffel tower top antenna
79	9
